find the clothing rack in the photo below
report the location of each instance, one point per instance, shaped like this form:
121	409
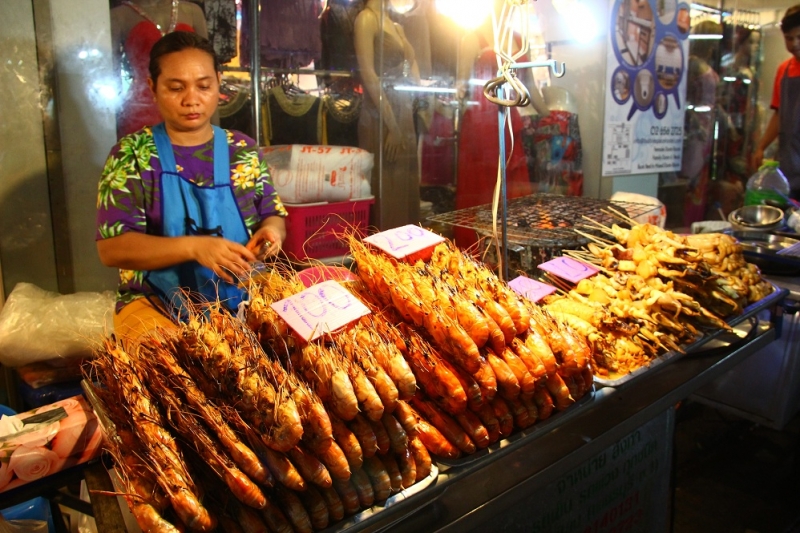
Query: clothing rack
256	69
255	72
311	71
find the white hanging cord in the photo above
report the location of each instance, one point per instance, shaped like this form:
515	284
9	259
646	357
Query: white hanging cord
507	52
506	55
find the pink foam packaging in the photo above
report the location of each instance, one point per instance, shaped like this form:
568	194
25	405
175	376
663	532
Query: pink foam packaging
54	437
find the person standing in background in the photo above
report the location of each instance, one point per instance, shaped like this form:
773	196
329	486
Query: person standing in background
700	119
785	121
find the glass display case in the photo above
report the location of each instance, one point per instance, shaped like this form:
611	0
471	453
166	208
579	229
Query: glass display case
422	114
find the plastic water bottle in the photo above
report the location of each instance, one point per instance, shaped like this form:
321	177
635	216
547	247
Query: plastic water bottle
768	184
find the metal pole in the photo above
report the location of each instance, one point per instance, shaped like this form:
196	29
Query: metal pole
501	122
255	70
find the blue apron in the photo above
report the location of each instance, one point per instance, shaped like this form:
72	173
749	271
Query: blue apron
188	209
789	136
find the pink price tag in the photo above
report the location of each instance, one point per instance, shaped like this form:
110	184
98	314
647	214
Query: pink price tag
320	309
569	269
404	241
530	288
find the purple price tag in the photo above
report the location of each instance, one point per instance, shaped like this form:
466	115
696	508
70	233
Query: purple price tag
320	309
569	269
404	241
530	288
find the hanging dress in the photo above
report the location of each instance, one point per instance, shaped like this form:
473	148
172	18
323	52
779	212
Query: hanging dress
479	146
288	33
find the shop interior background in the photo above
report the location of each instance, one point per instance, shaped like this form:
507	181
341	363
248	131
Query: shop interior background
60	93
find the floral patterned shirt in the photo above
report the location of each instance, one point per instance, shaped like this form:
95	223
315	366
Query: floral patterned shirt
129	196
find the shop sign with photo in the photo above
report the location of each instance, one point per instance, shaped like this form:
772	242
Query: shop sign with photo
646	86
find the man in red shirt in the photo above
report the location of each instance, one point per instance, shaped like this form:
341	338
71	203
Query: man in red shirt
785	122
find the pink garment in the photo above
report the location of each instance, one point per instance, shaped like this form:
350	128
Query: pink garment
138	108
438	152
479	147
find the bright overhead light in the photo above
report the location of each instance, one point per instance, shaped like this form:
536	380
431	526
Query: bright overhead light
701	7
579	19
469	14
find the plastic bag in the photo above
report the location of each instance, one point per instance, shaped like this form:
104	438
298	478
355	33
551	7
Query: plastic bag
23	525
29	516
39	325
309	173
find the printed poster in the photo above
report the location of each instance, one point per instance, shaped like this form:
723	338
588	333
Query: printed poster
646	86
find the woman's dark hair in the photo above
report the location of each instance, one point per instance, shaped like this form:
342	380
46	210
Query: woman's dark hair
178	41
791	19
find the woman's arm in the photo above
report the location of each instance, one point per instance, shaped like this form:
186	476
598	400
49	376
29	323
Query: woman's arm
770	134
139	251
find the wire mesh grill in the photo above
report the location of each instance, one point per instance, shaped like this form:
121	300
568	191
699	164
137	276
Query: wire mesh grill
544	220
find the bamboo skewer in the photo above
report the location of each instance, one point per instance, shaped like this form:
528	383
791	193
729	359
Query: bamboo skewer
621	216
591	237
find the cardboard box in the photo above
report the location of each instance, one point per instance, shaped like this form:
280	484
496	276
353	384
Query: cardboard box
51	438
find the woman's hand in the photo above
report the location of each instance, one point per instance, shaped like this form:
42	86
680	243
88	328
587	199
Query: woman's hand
225	258
265	242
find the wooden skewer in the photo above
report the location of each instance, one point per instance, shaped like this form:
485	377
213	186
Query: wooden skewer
597	225
594	238
597	265
622	216
557	282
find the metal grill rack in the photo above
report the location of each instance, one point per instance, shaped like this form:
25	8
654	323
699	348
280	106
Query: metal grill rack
544	220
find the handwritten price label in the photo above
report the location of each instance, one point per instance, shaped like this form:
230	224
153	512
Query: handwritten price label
569	269
530	288
404	241
320	309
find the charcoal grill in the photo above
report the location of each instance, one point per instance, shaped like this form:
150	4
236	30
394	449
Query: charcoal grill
541	226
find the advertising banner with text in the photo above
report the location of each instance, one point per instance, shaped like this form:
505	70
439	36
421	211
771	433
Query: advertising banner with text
645	86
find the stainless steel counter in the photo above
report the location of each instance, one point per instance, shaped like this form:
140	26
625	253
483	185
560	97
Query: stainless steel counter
766	387
468	496
471	494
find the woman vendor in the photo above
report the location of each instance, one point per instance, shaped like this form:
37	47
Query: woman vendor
184	207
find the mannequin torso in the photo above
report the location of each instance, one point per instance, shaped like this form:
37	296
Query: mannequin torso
135	27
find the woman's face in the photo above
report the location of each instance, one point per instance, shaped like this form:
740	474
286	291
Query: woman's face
187	90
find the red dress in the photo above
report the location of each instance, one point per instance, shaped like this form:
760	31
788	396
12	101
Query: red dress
479	146
138	108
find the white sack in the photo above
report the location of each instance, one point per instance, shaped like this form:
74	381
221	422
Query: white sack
310	173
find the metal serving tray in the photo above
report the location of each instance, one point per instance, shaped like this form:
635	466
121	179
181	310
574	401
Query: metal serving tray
743	327
543	426
390	501
108	428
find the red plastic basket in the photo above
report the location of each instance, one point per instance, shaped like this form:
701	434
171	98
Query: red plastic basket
314	230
